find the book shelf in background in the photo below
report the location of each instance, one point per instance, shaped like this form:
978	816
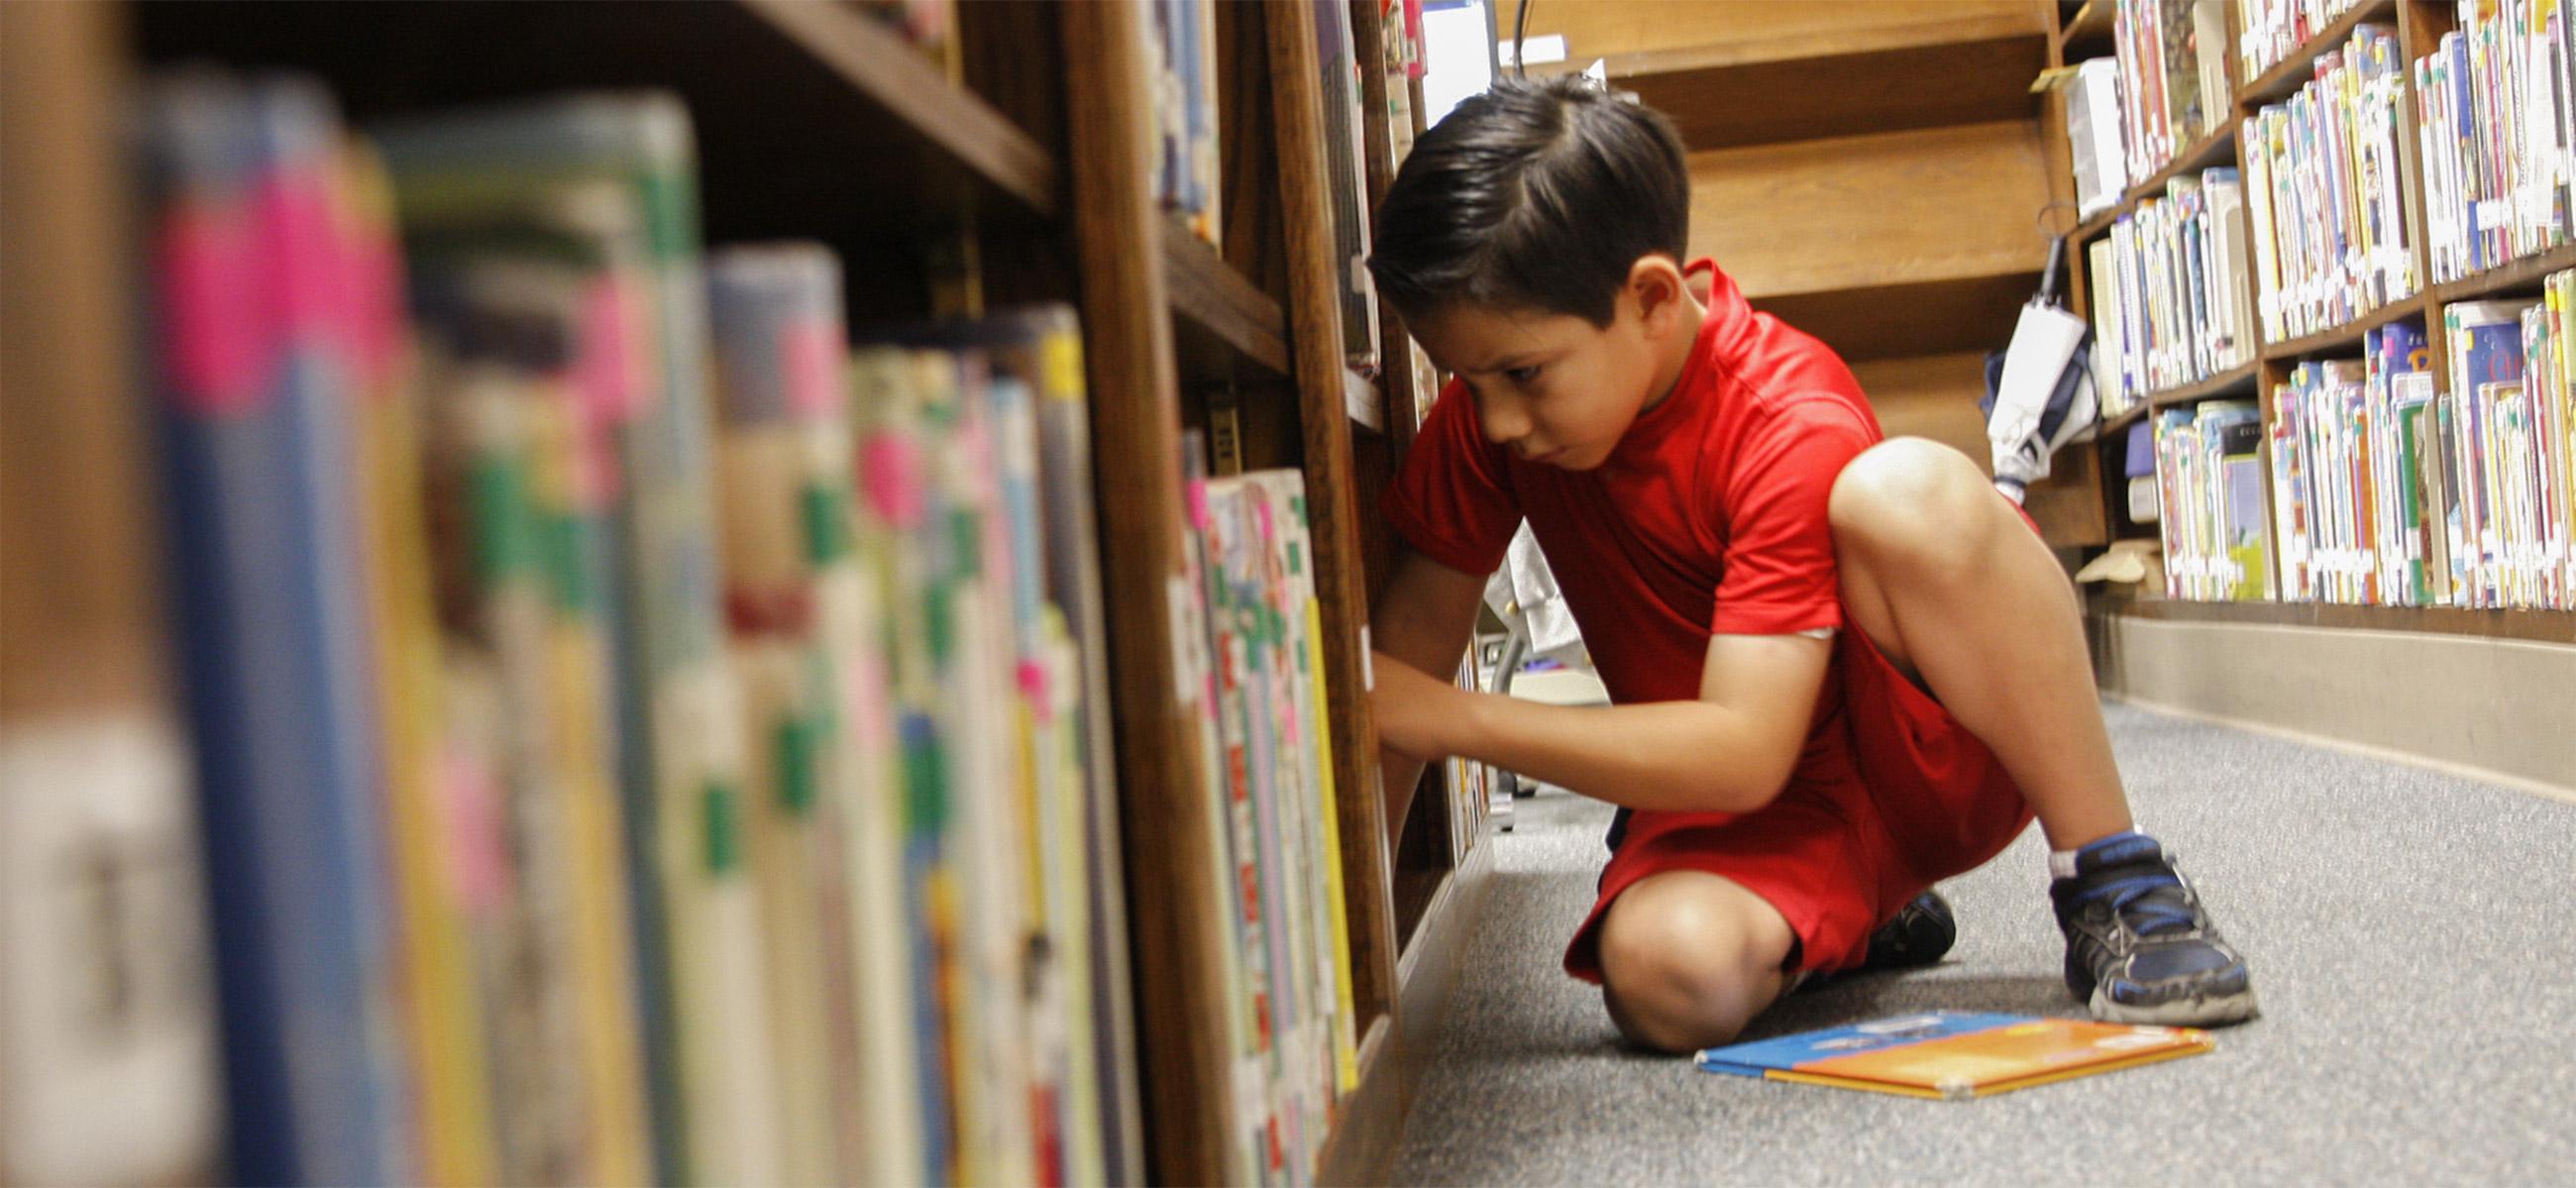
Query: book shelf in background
987	157
2417	27
1868	173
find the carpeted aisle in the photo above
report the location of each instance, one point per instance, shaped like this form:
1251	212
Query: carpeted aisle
2410	936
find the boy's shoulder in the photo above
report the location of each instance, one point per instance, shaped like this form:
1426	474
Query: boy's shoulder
1781	379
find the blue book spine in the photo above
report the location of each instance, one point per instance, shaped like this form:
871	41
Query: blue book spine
256	381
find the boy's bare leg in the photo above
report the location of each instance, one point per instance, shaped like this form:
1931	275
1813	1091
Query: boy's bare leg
1688	958
1961	595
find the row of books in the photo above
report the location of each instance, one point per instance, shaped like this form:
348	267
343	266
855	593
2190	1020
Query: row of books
2275	29
2168	291
2173	83
638	739
2209	482
2388	492
1187	166
2508	507
2327	192
2392	485
2498	120
2349	508
1266	748
1405	58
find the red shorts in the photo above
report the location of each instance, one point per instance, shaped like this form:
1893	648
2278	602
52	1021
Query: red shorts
1891	796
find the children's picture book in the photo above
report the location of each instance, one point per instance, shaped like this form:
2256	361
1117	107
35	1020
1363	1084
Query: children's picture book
1954	1054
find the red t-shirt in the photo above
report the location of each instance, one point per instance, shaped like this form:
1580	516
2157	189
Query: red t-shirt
1708	518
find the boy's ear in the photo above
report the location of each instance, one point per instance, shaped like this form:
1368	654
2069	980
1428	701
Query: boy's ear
1656	283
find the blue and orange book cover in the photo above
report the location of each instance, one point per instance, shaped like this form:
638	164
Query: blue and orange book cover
1954	1054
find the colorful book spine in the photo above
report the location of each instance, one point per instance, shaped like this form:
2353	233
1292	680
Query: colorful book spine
257	399
679	715
2209	467
784	461
2331	228
2176	313
1187	169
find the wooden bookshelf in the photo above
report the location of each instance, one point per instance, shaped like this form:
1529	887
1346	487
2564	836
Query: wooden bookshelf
813	121
1227	325
2346	338
2418	24
747	68
960	125
2515	278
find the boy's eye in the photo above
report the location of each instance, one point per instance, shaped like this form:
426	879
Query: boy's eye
1521	375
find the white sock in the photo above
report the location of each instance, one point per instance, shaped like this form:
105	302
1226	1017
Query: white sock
2061	863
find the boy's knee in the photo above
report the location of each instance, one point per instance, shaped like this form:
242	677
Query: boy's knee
1912	507
1687	966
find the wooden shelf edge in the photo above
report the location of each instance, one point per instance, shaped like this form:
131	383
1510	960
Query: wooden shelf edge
2283	78
2194	157
2529	270
2136	413
1395	1055
895	76
2204	153
1208	293
2091	21
2530	625
2093	228
2224	383
2344	336
1361	1150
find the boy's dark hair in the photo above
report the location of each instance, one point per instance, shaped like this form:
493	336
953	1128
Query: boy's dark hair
1532	196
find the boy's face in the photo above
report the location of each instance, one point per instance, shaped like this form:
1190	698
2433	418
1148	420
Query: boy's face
1555	389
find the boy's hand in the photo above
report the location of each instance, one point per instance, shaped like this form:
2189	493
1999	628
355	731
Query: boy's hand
1415	710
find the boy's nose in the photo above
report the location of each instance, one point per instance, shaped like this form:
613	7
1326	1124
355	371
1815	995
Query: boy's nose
1504	426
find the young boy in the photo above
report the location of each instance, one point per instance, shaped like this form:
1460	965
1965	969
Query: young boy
1843	668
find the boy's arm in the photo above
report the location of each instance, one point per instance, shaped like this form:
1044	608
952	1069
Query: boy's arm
1423	621
1730	751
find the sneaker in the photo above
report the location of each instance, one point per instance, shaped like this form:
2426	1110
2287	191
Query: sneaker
1918	934
2139	949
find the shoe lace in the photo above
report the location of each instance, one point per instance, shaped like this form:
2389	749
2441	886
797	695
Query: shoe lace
2149	902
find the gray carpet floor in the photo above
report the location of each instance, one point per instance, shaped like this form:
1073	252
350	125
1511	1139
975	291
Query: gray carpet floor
2410	938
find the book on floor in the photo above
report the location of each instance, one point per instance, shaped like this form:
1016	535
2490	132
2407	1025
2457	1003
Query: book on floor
1954	1054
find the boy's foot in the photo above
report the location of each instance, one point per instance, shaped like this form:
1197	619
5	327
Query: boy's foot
1918	934
2139	948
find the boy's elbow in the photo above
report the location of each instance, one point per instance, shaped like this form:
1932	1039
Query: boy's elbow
1738	789
1753	784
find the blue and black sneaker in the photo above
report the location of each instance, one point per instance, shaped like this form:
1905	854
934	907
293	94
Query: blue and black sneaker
1918	934
2139	949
